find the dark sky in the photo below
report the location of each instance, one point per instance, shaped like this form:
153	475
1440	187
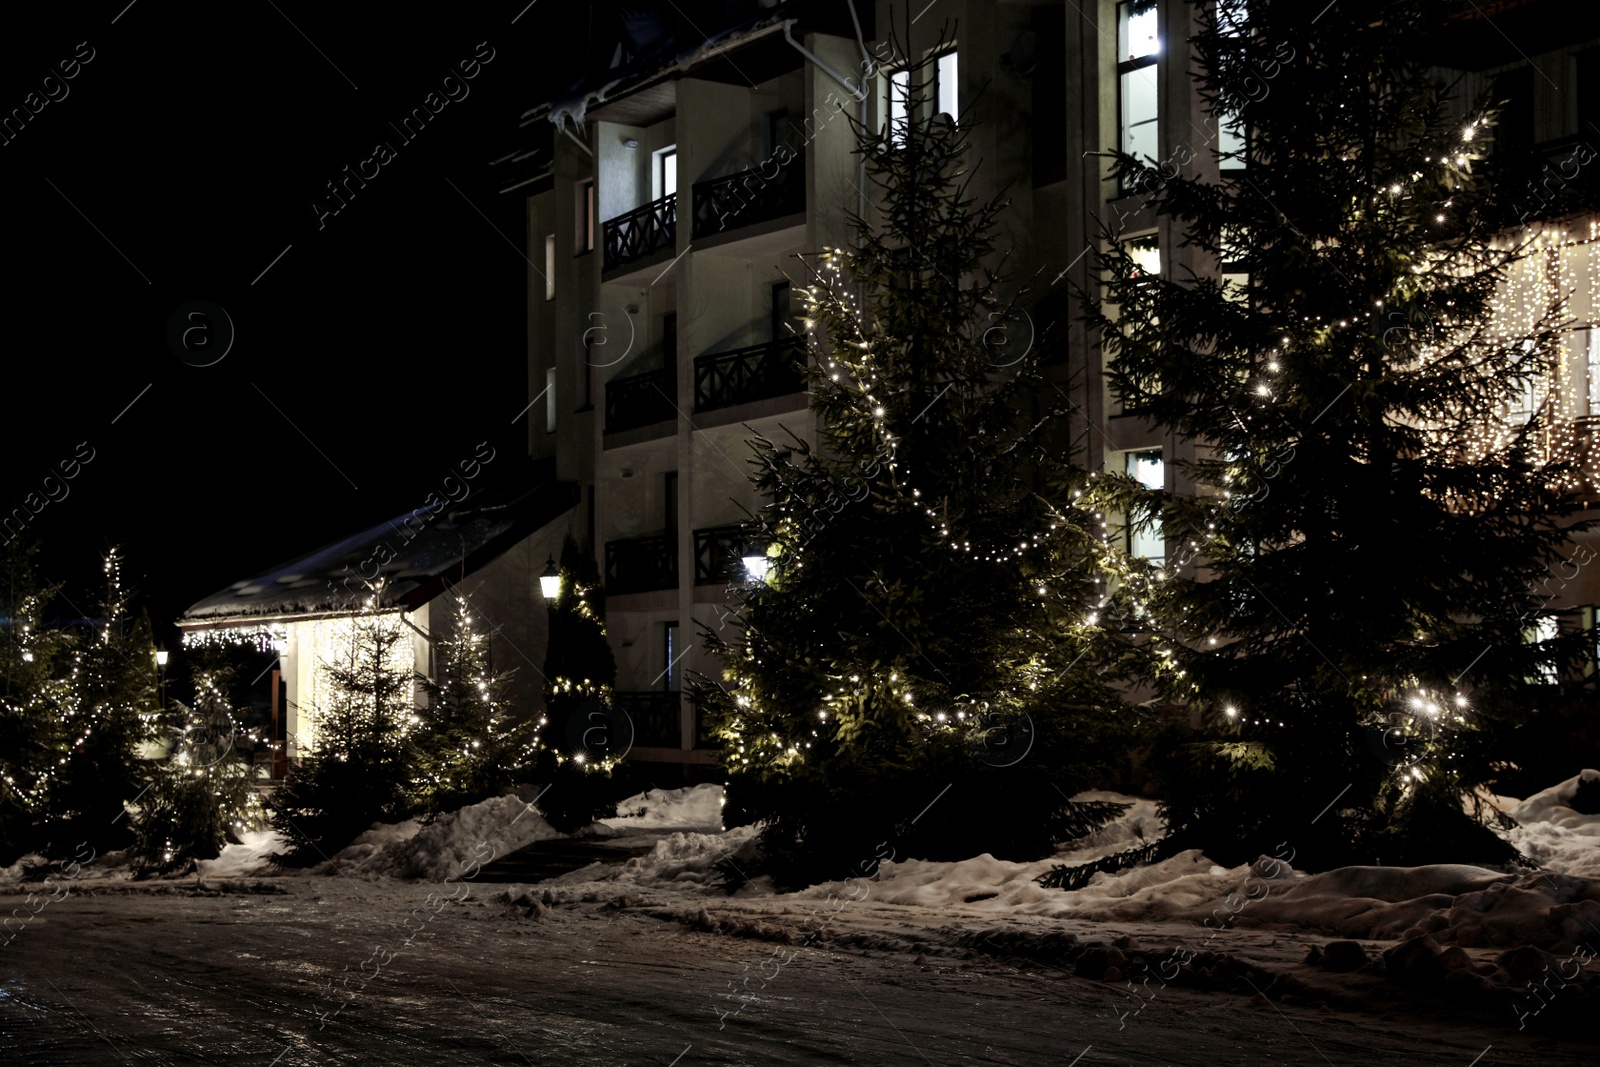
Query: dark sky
179	164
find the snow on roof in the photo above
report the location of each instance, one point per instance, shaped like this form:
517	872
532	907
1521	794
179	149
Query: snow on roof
416	552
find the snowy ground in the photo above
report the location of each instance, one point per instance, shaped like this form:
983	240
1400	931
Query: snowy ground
651	962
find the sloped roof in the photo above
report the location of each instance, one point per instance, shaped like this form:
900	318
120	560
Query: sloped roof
419	553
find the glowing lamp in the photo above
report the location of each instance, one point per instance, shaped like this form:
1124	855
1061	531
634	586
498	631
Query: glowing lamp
550	580
756	566
161	657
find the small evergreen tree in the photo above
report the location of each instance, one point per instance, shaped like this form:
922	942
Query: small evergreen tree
469	746
1350	583
927	624
36	701
201	794
358	768
111	714
579	742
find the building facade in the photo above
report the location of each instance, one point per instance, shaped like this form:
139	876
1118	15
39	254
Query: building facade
704	159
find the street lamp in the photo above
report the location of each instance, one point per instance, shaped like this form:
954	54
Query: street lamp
161	676
756	565
550	580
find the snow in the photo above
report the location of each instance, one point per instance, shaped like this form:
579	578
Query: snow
695	807
250	856
1555	836
453	845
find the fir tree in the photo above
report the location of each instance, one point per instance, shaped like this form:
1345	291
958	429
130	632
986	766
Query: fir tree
358	769
925	630
201	794
582	735
1349	584
110	715
469	746
36	701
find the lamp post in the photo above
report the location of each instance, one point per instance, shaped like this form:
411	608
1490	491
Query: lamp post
161	676
550	580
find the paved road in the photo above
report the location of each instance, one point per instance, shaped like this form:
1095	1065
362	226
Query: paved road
139	977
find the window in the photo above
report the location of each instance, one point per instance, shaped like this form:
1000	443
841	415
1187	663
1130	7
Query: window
1530	395
1588	340
550	267
782	311
670	654
666	172
1138	48
669	341
1146	254
1145	537
1544	628
586	372
583	209
941	94
550	400
1231	138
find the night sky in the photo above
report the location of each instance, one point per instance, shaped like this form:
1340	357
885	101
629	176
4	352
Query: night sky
372	348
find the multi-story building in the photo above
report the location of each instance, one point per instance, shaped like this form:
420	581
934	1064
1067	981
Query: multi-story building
705	157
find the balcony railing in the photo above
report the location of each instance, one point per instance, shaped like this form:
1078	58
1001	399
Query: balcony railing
641	232
719	552
639	400
749	197
641	564
655	717
759	372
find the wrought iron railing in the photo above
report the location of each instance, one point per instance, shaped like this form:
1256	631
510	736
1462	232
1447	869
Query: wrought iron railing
655	716
749	197
719	552
641	564
759	372
639	400
641	232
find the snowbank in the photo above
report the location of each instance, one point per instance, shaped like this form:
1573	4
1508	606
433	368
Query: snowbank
694	808
451	845
252	855
1554	834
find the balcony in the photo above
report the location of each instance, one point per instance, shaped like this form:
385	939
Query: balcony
639	400
655	717
642	564
760	372
641	233
719	552
749	197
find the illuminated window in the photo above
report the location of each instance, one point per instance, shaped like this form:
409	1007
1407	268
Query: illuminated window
666	175
583	211
1138	48
1145	537
1589	338
942	94
1231	138
550	267
1544	628
1146	254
